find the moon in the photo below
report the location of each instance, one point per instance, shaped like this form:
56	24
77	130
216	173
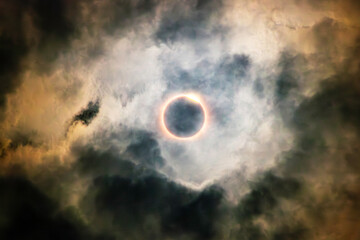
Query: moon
183	117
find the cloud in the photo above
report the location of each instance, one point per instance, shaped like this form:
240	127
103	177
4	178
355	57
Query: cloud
88	114
279	159
152	204
127	191
145	150
11	55
28	209
264	196
53	31
193	21
222	78
318	162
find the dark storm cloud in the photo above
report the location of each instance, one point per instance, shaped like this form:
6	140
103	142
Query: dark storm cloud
265	195
328	115
290	232
288	81
125	190
323	153
199	216
249	232
297	69
133	203
322	148
113	18
157	207
189	20
86	115
26	208
46	28
11	54
289	77
335	108
95	163
141	156
140	202
128	197
336	102
54	27
27	213
145	149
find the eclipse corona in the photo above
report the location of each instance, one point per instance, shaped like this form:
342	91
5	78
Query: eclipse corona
183	117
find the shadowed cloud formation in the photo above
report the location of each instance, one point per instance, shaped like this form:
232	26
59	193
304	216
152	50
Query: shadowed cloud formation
82	151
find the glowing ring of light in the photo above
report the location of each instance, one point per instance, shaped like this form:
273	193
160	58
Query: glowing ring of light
193	98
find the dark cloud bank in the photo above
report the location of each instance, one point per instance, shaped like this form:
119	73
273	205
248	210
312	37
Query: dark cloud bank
127	195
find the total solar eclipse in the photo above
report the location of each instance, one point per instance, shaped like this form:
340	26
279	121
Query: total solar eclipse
183	116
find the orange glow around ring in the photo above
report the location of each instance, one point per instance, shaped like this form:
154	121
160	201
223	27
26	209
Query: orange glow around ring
191	97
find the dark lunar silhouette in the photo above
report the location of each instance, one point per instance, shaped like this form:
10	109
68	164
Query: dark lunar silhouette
184	117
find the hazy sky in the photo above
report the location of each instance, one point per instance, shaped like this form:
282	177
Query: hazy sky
82	151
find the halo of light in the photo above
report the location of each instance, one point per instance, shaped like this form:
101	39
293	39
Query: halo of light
189	96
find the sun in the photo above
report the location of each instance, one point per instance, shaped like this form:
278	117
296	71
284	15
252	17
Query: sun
189	96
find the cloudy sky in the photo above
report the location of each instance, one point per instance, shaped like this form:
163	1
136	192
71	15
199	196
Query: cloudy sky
82	151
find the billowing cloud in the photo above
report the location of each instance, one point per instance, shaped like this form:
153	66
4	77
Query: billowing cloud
82	151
